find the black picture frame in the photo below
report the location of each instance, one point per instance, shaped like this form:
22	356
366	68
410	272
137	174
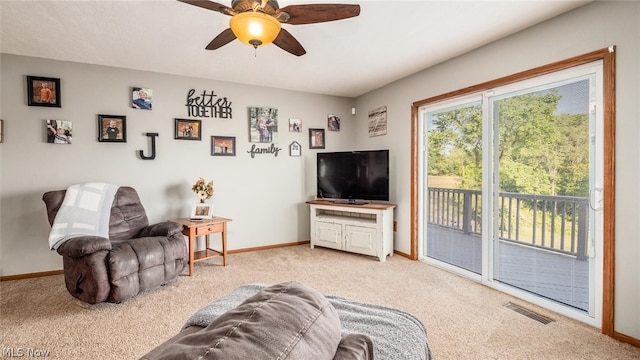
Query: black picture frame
223	146
43	91
104	125
316	138
188	129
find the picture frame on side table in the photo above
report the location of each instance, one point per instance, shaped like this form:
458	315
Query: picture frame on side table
201	211
112	128
187	129
43	91
223	146
316	138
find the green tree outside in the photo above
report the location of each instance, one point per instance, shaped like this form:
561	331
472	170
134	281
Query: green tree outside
540	152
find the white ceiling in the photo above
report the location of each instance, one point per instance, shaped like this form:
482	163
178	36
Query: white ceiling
388	41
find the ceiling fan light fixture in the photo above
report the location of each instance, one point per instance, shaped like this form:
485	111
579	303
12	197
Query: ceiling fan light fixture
254	28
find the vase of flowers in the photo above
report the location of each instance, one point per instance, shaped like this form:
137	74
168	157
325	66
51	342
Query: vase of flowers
203	189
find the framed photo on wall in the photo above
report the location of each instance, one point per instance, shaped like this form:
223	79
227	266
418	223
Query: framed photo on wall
59	131
43	91
333	122
112	128
316	138
223	146
187	129
141	98
263	125
1	131
295	125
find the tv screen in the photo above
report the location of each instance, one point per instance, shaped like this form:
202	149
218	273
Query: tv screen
353	175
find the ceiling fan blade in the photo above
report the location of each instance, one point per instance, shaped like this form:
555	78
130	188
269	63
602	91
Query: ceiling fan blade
316	13
221	40
288	43
210	5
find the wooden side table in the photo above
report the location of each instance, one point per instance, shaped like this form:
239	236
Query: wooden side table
194	228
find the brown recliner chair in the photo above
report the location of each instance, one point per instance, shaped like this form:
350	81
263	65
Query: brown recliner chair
135	258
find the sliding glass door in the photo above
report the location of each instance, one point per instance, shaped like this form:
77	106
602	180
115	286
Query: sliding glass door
511	188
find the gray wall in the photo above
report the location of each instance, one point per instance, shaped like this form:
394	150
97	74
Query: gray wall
264	196
592	27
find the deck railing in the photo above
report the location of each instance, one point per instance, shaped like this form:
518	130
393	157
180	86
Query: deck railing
555	223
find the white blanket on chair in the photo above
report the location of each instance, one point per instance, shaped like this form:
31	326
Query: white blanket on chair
85	211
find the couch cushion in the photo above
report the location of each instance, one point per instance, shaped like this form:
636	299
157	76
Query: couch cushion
355	347
128	216
285	321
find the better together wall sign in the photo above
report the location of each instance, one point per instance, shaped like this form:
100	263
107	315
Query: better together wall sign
208	105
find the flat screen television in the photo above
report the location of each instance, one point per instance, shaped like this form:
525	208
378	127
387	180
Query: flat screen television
353	176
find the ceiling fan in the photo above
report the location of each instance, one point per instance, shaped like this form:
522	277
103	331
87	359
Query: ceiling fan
257	22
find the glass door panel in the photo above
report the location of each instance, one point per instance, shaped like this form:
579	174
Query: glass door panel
453	186
543	152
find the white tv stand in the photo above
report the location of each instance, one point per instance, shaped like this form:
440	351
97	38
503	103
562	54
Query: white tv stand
363	229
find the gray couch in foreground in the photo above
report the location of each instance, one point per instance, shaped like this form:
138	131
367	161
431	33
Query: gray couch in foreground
291	321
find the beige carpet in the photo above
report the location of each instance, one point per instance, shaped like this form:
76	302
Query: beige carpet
464	320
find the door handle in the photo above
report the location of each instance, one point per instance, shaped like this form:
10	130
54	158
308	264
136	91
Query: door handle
595	205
